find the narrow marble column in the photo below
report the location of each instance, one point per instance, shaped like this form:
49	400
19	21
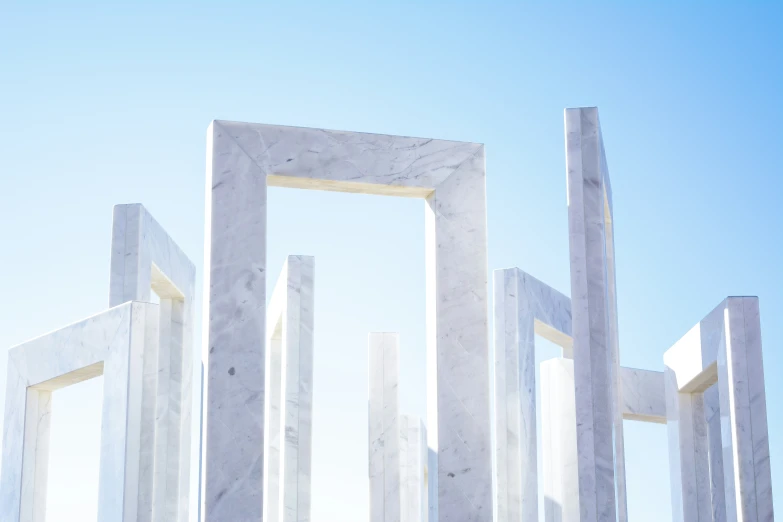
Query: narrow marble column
413	470
594	309
384	371
715	453
561	481
289	400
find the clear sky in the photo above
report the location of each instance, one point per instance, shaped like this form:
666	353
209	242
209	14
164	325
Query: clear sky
109	104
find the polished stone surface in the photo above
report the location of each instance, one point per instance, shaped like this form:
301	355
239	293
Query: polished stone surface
384	424
594	310
242	159
111	344
289	399
145	258
413	470
716	369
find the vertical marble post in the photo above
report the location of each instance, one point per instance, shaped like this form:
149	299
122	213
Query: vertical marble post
413	470
743	412
288	409
384	433
515	400
715	453
561	481
594	308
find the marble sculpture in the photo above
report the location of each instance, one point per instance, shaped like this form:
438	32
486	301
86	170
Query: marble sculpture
144	352
258	370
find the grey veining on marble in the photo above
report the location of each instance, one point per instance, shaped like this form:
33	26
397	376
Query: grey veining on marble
112	343
594	311
717	369
242	159
145	258
289	398
384	426
558	419
413	470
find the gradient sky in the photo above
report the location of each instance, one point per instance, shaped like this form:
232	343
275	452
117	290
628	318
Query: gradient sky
109	104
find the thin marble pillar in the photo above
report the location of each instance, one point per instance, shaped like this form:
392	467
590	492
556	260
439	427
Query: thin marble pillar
289	401
594	307
561	482
413	470
384	432
242	159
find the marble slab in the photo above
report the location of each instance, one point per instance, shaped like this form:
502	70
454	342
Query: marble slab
242	159
594	311
289	398
384	426
111	344
145	258
726	346
414	495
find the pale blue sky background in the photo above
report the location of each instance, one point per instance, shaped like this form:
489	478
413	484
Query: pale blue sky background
109	104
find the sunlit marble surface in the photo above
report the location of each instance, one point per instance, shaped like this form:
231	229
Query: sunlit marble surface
145	258
384	422
413	470
716	369
111	344
289	399
242	159
594	310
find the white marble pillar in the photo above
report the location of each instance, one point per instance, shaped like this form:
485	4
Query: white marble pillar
242	159
715	453
414	494
594	309
289	400
384	433
145	258
558	419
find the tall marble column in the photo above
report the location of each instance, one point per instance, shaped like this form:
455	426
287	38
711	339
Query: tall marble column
384	433
413	470
594	308
289	400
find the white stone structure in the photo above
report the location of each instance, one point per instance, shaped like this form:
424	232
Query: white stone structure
242	159
414	495
144	258
112	344
717	418
525	307
289	399
384	426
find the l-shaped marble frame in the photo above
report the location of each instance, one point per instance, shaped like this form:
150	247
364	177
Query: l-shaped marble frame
113	344
242	159
524	307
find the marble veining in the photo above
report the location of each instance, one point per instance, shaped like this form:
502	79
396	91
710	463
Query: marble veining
289	399
413	470
242	159
111	344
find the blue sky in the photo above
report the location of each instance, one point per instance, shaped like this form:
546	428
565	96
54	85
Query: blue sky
107	104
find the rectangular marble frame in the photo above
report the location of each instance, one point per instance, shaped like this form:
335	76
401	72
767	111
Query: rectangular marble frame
414	495
145	258
111	344
717	369
289	398
525	307
384	426
242	159
602	490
